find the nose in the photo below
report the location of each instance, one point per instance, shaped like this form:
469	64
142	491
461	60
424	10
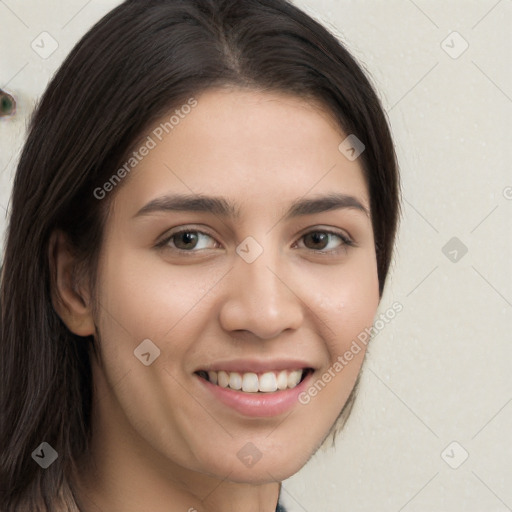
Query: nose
261	298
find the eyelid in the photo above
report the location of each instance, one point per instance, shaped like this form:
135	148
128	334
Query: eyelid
346	239
181	229
343	234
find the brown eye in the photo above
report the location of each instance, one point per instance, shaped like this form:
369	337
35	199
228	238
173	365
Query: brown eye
189	240
319	241
185	240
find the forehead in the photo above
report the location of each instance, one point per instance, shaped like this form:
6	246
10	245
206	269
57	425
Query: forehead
246	145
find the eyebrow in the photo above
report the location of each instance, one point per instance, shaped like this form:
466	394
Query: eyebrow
224	208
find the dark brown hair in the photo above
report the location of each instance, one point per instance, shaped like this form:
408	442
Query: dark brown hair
142	59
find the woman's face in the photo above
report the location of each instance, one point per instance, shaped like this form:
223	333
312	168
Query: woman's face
260	291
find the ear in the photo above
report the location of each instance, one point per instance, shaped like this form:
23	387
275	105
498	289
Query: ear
71	301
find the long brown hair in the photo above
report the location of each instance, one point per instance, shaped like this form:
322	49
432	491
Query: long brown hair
142	59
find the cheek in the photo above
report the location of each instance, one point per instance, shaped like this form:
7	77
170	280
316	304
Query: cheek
345	307
345	312
346	301
146	298
143	299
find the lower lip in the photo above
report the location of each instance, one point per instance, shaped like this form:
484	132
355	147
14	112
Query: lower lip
262	405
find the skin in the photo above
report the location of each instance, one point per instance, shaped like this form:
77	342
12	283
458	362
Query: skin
160	441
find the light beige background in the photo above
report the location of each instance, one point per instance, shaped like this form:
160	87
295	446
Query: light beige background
440	372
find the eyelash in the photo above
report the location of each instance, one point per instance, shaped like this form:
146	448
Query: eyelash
346	241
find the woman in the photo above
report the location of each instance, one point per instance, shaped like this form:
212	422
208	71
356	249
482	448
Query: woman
202	222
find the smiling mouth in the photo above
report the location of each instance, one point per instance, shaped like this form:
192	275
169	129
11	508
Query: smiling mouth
249	382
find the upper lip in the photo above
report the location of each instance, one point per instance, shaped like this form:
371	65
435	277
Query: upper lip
256	365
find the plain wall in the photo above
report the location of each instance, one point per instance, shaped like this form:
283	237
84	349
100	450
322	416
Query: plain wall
440	371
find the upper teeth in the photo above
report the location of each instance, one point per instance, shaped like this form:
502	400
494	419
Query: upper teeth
251	383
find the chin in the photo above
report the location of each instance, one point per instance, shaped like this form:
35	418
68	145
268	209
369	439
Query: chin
261	468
